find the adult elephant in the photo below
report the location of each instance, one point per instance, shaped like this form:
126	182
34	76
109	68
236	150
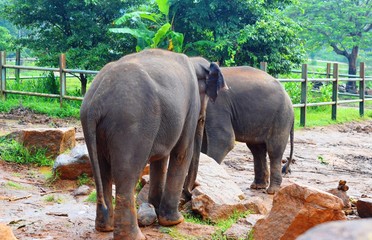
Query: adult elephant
255	110
145	107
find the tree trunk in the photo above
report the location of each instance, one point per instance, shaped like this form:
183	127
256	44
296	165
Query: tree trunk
352	58
83	80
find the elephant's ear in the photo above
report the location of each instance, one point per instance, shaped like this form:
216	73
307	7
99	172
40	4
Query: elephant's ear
215	81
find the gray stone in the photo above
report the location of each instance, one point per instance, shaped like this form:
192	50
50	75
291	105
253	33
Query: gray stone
71	166
216	196
360	229
54	140
364	208
242	228
146	214
81	191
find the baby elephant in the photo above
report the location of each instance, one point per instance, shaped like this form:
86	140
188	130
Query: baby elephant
256	110
145	107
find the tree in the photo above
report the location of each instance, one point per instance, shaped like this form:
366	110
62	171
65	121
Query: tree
5	39
152	29
239	32
77	28
345	26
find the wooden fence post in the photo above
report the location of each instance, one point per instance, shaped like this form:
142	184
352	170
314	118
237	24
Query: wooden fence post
335	91
3	75
328	70
62	78
362	89
263	66
17	63
304	76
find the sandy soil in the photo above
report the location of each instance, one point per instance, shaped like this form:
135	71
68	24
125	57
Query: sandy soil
323	156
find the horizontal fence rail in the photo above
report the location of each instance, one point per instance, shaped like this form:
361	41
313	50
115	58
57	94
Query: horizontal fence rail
304	80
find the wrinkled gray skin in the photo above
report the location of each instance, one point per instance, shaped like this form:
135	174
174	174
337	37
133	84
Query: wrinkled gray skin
255	110
145	107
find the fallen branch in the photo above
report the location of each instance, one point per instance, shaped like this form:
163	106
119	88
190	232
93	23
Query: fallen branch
58	214
46	193
21	181
19	198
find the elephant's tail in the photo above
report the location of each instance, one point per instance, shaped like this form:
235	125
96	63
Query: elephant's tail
91	139
286	169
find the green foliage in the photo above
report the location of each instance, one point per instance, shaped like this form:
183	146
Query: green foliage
322	160
92	198
13	151
84	179
239	32
324	94
77	28
342	26
151	29
53	199
14	185
5	39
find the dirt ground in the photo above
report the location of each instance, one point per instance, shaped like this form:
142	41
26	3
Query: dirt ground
323	156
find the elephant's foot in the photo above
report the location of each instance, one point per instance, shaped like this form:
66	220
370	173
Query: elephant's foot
170	219
104	228
256	185
273	189
134	235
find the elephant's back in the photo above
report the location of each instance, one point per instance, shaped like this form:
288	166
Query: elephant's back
150	97
258	103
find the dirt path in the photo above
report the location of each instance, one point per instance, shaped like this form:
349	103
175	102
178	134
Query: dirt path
323	157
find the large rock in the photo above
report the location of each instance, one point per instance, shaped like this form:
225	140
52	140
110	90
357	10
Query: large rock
54	140
216	196
340	230
242	228
71	166
364	208
295	210
6	233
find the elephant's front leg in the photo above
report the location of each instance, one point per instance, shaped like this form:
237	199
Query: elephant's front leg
177	170
158	171
261	172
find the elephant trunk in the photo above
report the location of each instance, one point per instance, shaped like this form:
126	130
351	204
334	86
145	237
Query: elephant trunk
194	165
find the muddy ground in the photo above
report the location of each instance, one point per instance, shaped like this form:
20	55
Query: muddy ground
323	156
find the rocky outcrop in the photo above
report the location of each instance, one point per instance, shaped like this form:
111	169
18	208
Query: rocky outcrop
364	208
54	140
340	230
242	228
216	196
71	166
296	209
6	233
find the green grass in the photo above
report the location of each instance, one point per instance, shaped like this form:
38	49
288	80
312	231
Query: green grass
50	107
53	199
84	179
92	198
13	151
14	185
322	116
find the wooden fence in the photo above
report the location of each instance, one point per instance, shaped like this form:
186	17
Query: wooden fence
335	78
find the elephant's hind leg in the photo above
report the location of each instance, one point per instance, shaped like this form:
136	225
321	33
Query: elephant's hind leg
105	215
127	162
261	172
275	154
158	172
177	170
